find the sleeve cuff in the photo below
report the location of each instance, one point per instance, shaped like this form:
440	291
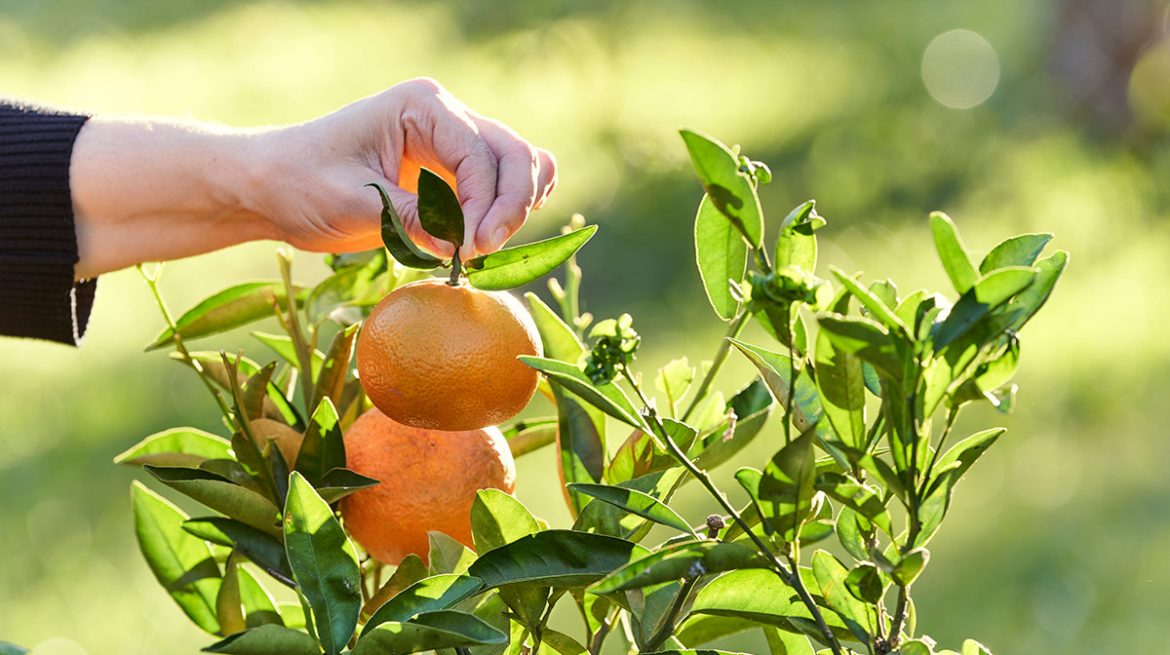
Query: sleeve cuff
38	242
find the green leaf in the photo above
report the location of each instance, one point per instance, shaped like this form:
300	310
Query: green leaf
261	548
267	640
430	631
721	254
254	392
497	518
339	483
850	535
446	554
797	245
752	405
952	252
324	564
831	575
187	447
915	647
7	648
976	304
323	448
607	519
283	346
259	606
907	570
1020	250
786	643
787	486
221	495
947	472
865	583
228	606
674	380
842	388
863	498
228	309
776	370
1024	306
729	189
331	380
526	436
437	592
760	595
512	267
635	502
409	571
182	564
607	397
560	341
866	339
563	643
883	313
694	651
972	647
396	240
350	289
579	444
439	212
679	561
556	558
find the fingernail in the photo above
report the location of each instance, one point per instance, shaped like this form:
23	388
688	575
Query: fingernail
499	236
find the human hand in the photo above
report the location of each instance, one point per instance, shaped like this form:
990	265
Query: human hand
314	192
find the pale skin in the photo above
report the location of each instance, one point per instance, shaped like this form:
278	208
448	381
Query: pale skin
151	190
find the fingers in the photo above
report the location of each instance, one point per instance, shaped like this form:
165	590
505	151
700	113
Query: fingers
516	188
499	177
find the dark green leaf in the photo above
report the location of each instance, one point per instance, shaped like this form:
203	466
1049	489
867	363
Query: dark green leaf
721	254
606	519
188	447
635	502
850	535
324	564
437	592
579	444
556	558
228	309
182	564
409	571
221	495
866	500
685	560
607	397
730	190
1020	250
267	640
952	252
907	570
396	240
512	267
430	631
263	549
12	649
323	448
439	212
339	483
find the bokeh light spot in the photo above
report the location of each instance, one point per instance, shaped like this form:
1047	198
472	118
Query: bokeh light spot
1149	87
960	69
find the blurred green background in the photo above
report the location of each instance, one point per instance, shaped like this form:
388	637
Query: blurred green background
1038	116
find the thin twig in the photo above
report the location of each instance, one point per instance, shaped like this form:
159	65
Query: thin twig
717	363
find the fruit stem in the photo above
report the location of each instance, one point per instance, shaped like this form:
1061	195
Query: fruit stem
456	269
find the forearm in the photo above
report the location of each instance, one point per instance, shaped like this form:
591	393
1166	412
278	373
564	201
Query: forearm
154	191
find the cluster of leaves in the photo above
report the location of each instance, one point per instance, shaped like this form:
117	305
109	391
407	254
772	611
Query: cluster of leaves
865	384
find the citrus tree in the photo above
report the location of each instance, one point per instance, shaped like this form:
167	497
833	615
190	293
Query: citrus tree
857	389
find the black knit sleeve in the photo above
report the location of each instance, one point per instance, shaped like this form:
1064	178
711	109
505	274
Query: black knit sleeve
38	243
